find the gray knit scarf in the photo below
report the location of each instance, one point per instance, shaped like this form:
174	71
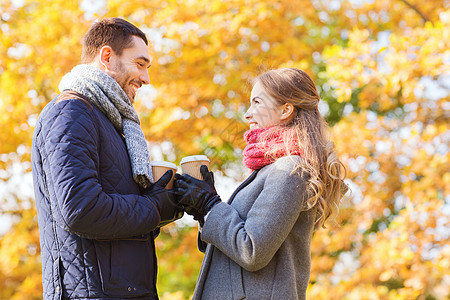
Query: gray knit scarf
106	94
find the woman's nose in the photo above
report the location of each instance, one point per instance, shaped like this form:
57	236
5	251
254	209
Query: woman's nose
248	115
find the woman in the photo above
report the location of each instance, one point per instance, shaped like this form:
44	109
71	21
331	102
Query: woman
258	244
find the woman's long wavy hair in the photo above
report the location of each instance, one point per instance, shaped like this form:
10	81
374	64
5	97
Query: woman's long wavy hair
309	130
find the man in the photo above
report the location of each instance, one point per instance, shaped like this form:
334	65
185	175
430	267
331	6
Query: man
98	210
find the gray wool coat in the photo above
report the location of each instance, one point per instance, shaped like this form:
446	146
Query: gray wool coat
259	242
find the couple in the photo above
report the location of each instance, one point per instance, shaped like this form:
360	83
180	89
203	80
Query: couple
99	211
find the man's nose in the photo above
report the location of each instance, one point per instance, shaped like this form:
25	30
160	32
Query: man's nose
145	78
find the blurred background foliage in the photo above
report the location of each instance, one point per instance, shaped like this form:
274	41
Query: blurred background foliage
383	72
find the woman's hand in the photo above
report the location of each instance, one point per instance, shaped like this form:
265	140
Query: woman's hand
196	194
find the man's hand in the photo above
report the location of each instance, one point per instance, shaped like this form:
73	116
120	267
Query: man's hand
164	200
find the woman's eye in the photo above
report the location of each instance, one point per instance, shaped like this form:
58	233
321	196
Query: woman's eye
255	101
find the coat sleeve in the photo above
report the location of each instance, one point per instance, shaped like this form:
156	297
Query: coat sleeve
70	162
253	242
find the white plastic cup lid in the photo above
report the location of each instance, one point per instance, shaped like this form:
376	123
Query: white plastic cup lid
166	164
193	158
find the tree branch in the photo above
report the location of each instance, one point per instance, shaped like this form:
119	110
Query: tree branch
424	18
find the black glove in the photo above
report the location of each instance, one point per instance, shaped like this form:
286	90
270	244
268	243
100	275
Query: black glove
209	178
164	200
196	194
194	213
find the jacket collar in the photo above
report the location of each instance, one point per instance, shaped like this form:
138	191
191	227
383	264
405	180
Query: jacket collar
243	185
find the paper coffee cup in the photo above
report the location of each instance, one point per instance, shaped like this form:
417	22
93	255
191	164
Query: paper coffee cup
159	168
191	165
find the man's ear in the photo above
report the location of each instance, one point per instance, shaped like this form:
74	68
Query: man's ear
105	57
287	111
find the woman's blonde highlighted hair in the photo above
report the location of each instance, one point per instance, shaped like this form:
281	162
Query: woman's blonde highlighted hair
309	129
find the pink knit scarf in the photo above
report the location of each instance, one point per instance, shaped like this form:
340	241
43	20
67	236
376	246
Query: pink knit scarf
262	140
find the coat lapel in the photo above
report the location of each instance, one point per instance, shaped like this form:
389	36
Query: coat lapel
243	185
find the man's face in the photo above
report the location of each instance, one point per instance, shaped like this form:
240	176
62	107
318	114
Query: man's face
130	69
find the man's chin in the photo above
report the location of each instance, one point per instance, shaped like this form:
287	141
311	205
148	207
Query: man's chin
131	98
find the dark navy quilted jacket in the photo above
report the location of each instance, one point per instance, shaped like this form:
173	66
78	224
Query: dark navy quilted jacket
96	231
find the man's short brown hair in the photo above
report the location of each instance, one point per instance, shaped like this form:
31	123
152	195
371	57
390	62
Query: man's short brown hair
114	32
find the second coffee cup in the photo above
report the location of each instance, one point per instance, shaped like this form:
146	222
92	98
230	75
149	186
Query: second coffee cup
191	165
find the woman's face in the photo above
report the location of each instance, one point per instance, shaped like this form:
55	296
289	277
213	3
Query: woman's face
264	111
